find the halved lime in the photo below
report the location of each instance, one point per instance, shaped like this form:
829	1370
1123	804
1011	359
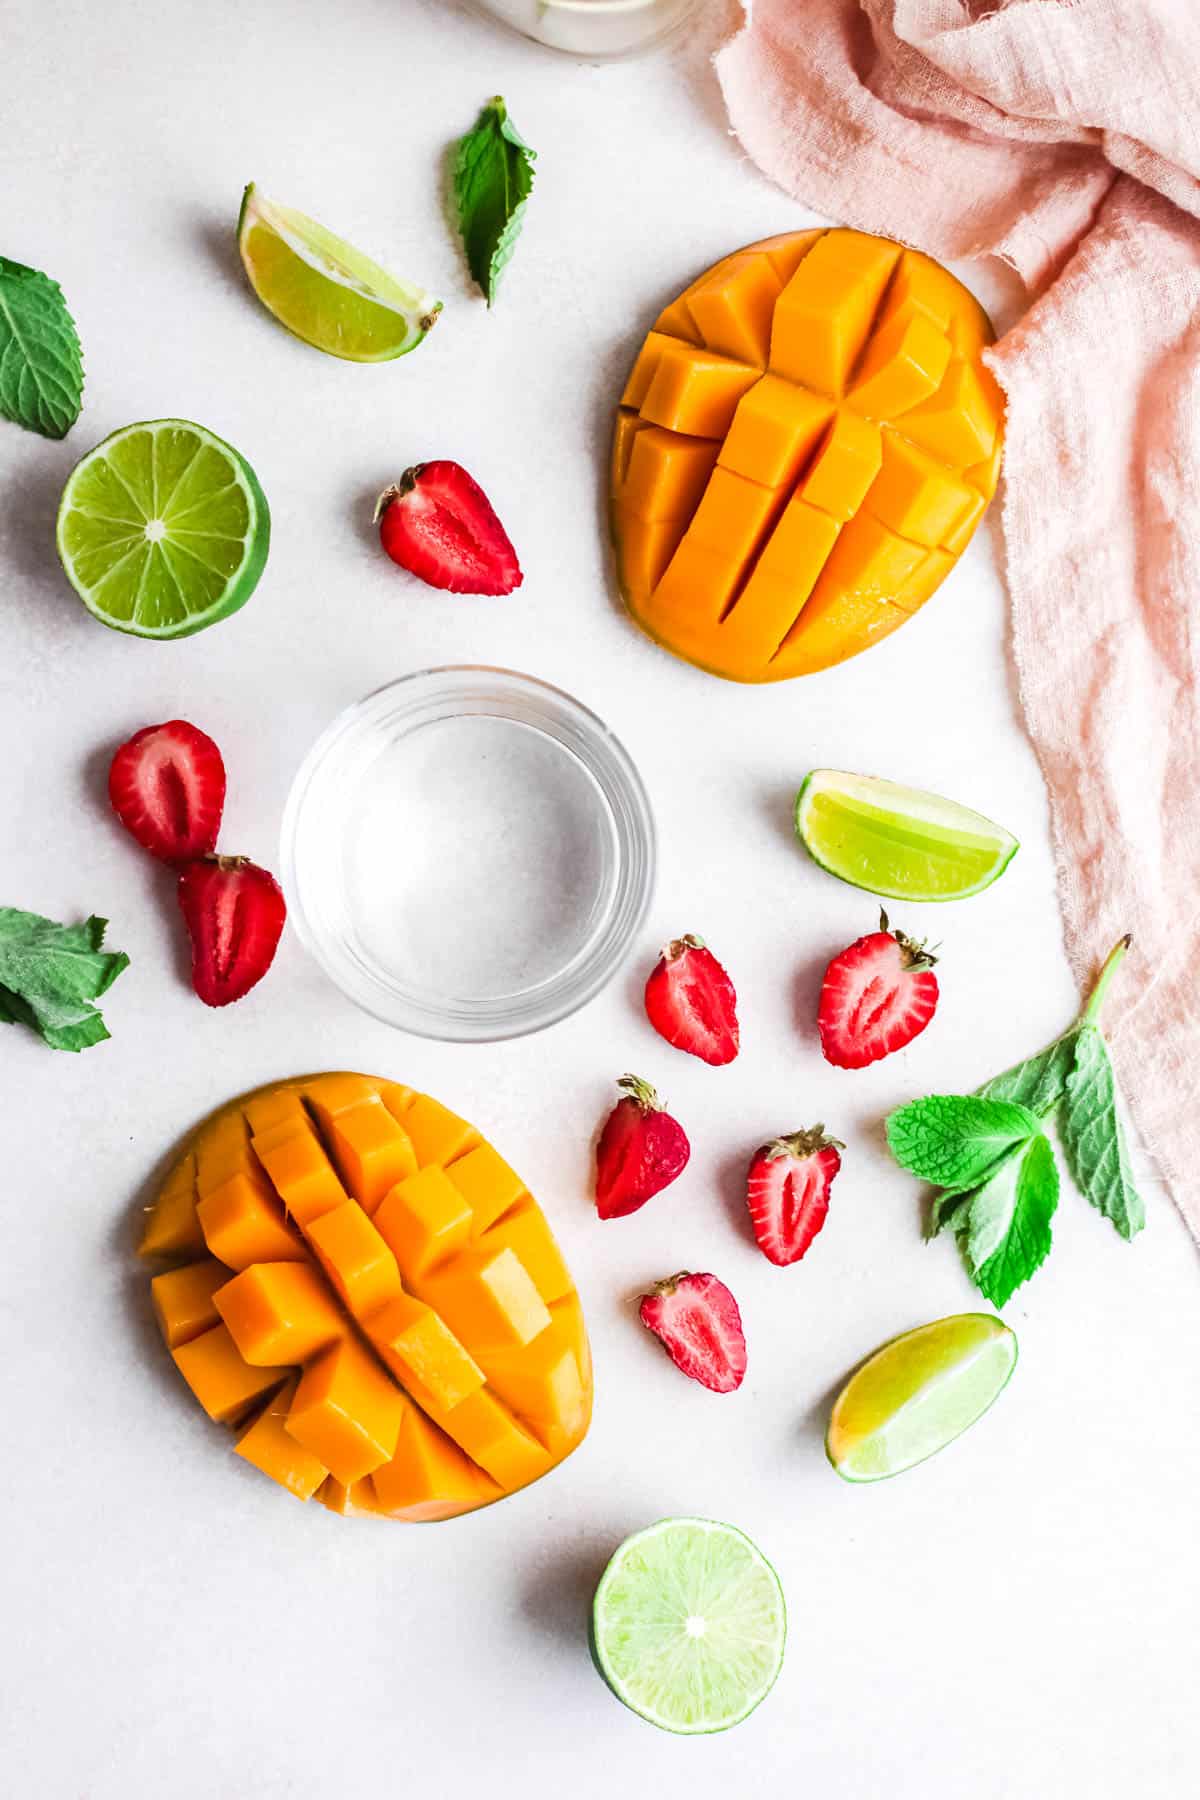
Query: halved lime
163	529
325	290
900	842
688	1625
917	1394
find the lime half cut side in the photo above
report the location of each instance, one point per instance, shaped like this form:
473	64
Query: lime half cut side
900	842
326	291
688	1625
917	1394
163	529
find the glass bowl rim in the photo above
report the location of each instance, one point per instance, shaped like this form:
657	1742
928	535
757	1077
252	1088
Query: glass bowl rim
610	767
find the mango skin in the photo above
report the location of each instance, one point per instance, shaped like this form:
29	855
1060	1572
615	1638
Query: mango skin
805	446
420	1349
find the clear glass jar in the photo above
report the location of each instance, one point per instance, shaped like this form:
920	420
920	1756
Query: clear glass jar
592	28
468	853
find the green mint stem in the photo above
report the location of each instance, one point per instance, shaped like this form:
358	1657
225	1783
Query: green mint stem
1115	957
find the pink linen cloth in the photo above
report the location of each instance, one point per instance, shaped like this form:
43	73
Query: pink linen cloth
1064	137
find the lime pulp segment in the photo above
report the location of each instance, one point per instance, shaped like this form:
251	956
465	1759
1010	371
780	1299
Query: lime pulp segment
917	1394
689	1624
324	290
899	842
163	529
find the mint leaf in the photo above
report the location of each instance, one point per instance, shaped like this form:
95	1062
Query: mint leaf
41	365
954	1140
493	176
50	975
1040	1081
1093	1138
1008	1232
948	1212
13	1010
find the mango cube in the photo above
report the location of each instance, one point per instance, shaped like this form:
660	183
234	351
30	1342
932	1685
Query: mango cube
903	364
346	1412
959	423
183	1300
917	497
487	1184
425	1220
823	316
845	467
301	1173
370	1149
428	1476
666	476
437	1134
279	1313
218	1374
171	1227
525	1232
489	1298
418	1346
732	307
243	1223
774	432
356	1259
696	391
267	1443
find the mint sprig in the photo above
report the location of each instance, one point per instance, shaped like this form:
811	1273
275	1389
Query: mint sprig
493	178
994	1166
41	364
50	974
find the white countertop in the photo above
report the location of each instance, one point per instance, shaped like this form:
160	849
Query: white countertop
1016	1619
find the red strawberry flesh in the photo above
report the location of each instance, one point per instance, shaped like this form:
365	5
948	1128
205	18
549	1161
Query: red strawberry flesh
642	1149
698	1321
876	997
691	1002
788	1192
438	523
167	787
234	913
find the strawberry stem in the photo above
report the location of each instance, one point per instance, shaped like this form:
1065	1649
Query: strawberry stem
641	1091
677	947
1113	962
664	1289
802	1143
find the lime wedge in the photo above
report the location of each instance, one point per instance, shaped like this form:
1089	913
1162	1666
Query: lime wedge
900	842
325	290
163	529
917	1394
688	1625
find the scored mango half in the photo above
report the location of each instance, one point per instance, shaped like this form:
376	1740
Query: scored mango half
371	1298
805	446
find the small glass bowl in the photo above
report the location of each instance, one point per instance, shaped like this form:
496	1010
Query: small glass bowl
596	30
468	853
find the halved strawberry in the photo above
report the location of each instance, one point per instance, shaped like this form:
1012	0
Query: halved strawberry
234	912
167	787
691	1002
698	1320
641	1150
438	523
787	1191
876	997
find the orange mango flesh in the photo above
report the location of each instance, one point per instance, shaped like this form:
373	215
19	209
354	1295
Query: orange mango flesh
806	443
369	1295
